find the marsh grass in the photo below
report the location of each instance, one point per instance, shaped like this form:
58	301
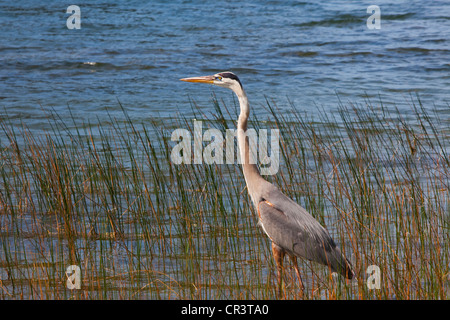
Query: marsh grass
107	197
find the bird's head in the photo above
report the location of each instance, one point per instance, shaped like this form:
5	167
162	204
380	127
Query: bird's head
225	79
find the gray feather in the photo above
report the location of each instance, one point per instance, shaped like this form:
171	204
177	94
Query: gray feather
292	228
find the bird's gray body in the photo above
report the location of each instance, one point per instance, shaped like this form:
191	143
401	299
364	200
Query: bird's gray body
292	228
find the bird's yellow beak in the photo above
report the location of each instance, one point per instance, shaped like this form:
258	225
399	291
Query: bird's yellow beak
205	79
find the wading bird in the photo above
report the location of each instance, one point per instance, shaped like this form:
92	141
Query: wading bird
289	226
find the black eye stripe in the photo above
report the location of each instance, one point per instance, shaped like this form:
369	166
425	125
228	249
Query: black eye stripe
231	76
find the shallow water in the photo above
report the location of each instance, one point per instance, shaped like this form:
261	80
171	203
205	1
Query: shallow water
304	52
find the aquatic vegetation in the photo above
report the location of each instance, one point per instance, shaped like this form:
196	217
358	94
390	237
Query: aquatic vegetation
106	197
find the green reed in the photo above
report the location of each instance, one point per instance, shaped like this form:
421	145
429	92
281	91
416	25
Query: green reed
107	198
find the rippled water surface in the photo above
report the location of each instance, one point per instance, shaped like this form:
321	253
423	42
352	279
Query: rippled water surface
306	52
141	227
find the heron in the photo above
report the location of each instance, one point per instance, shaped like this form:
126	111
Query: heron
292	230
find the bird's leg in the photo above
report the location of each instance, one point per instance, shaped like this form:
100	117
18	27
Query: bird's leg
278	254
294	262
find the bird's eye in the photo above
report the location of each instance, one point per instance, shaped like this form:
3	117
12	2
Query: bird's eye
218	78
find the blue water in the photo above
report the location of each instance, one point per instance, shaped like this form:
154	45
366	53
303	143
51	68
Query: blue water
305	52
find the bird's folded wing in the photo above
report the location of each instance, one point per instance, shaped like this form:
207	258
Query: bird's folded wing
305	238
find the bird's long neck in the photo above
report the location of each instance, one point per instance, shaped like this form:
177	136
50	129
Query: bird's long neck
251	172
